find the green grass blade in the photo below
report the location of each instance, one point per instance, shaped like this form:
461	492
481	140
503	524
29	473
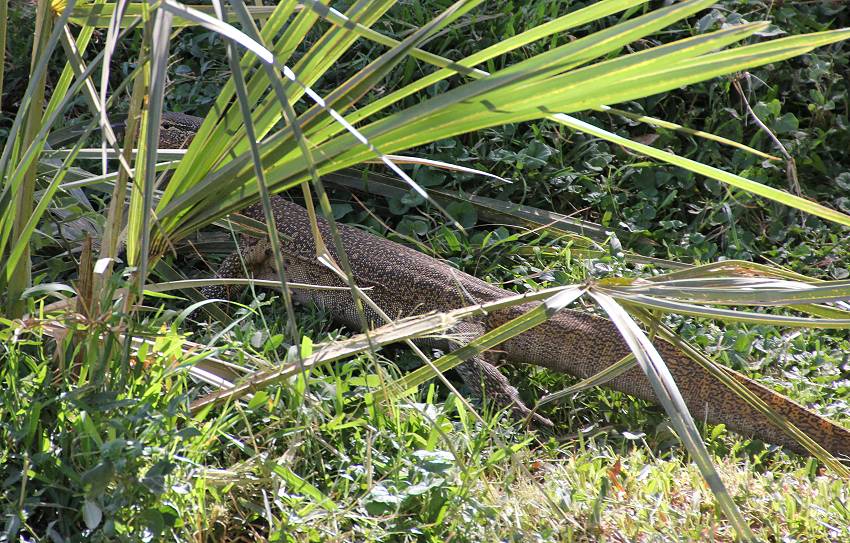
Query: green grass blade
19	249
508	86
531	318
392	132
535	92
218	133
750	269
608	374
312	65
660	123
584	233
808	41
37	72
362	81
674	405
99	15
35	149
297	484
112	33
245	107
574	19
742	268
19	276
729	315
4	17
141	202
736	181
757	291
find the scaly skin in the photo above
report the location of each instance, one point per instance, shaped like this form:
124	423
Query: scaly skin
405	282
176	130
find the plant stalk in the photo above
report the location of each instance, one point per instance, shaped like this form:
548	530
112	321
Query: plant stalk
20	277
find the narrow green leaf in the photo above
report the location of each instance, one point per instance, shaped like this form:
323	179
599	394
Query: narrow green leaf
729	315
608	374
294	483
492	338
99	15
574	19
737	181
741	291
674	405
660	123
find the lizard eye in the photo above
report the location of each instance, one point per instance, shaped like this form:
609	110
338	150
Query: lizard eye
268	253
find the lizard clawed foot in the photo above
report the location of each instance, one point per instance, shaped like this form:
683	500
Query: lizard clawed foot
486	381
532	418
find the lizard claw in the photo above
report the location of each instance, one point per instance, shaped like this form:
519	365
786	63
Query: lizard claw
530	417
542	422
487	381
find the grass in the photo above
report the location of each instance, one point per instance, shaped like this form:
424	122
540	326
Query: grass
319	463
97	443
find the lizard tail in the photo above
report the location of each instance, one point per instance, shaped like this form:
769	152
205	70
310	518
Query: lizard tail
827	434
710	400
582	345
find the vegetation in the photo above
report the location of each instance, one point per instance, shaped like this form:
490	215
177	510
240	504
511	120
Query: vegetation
97	439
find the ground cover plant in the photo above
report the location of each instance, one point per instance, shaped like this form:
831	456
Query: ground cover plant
98	439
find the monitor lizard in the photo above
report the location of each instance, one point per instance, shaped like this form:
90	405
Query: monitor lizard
405	282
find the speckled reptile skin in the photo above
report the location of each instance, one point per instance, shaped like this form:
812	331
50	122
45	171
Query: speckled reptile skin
176	130
405	282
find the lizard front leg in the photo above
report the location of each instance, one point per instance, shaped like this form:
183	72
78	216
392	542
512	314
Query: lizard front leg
248	261
486	381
